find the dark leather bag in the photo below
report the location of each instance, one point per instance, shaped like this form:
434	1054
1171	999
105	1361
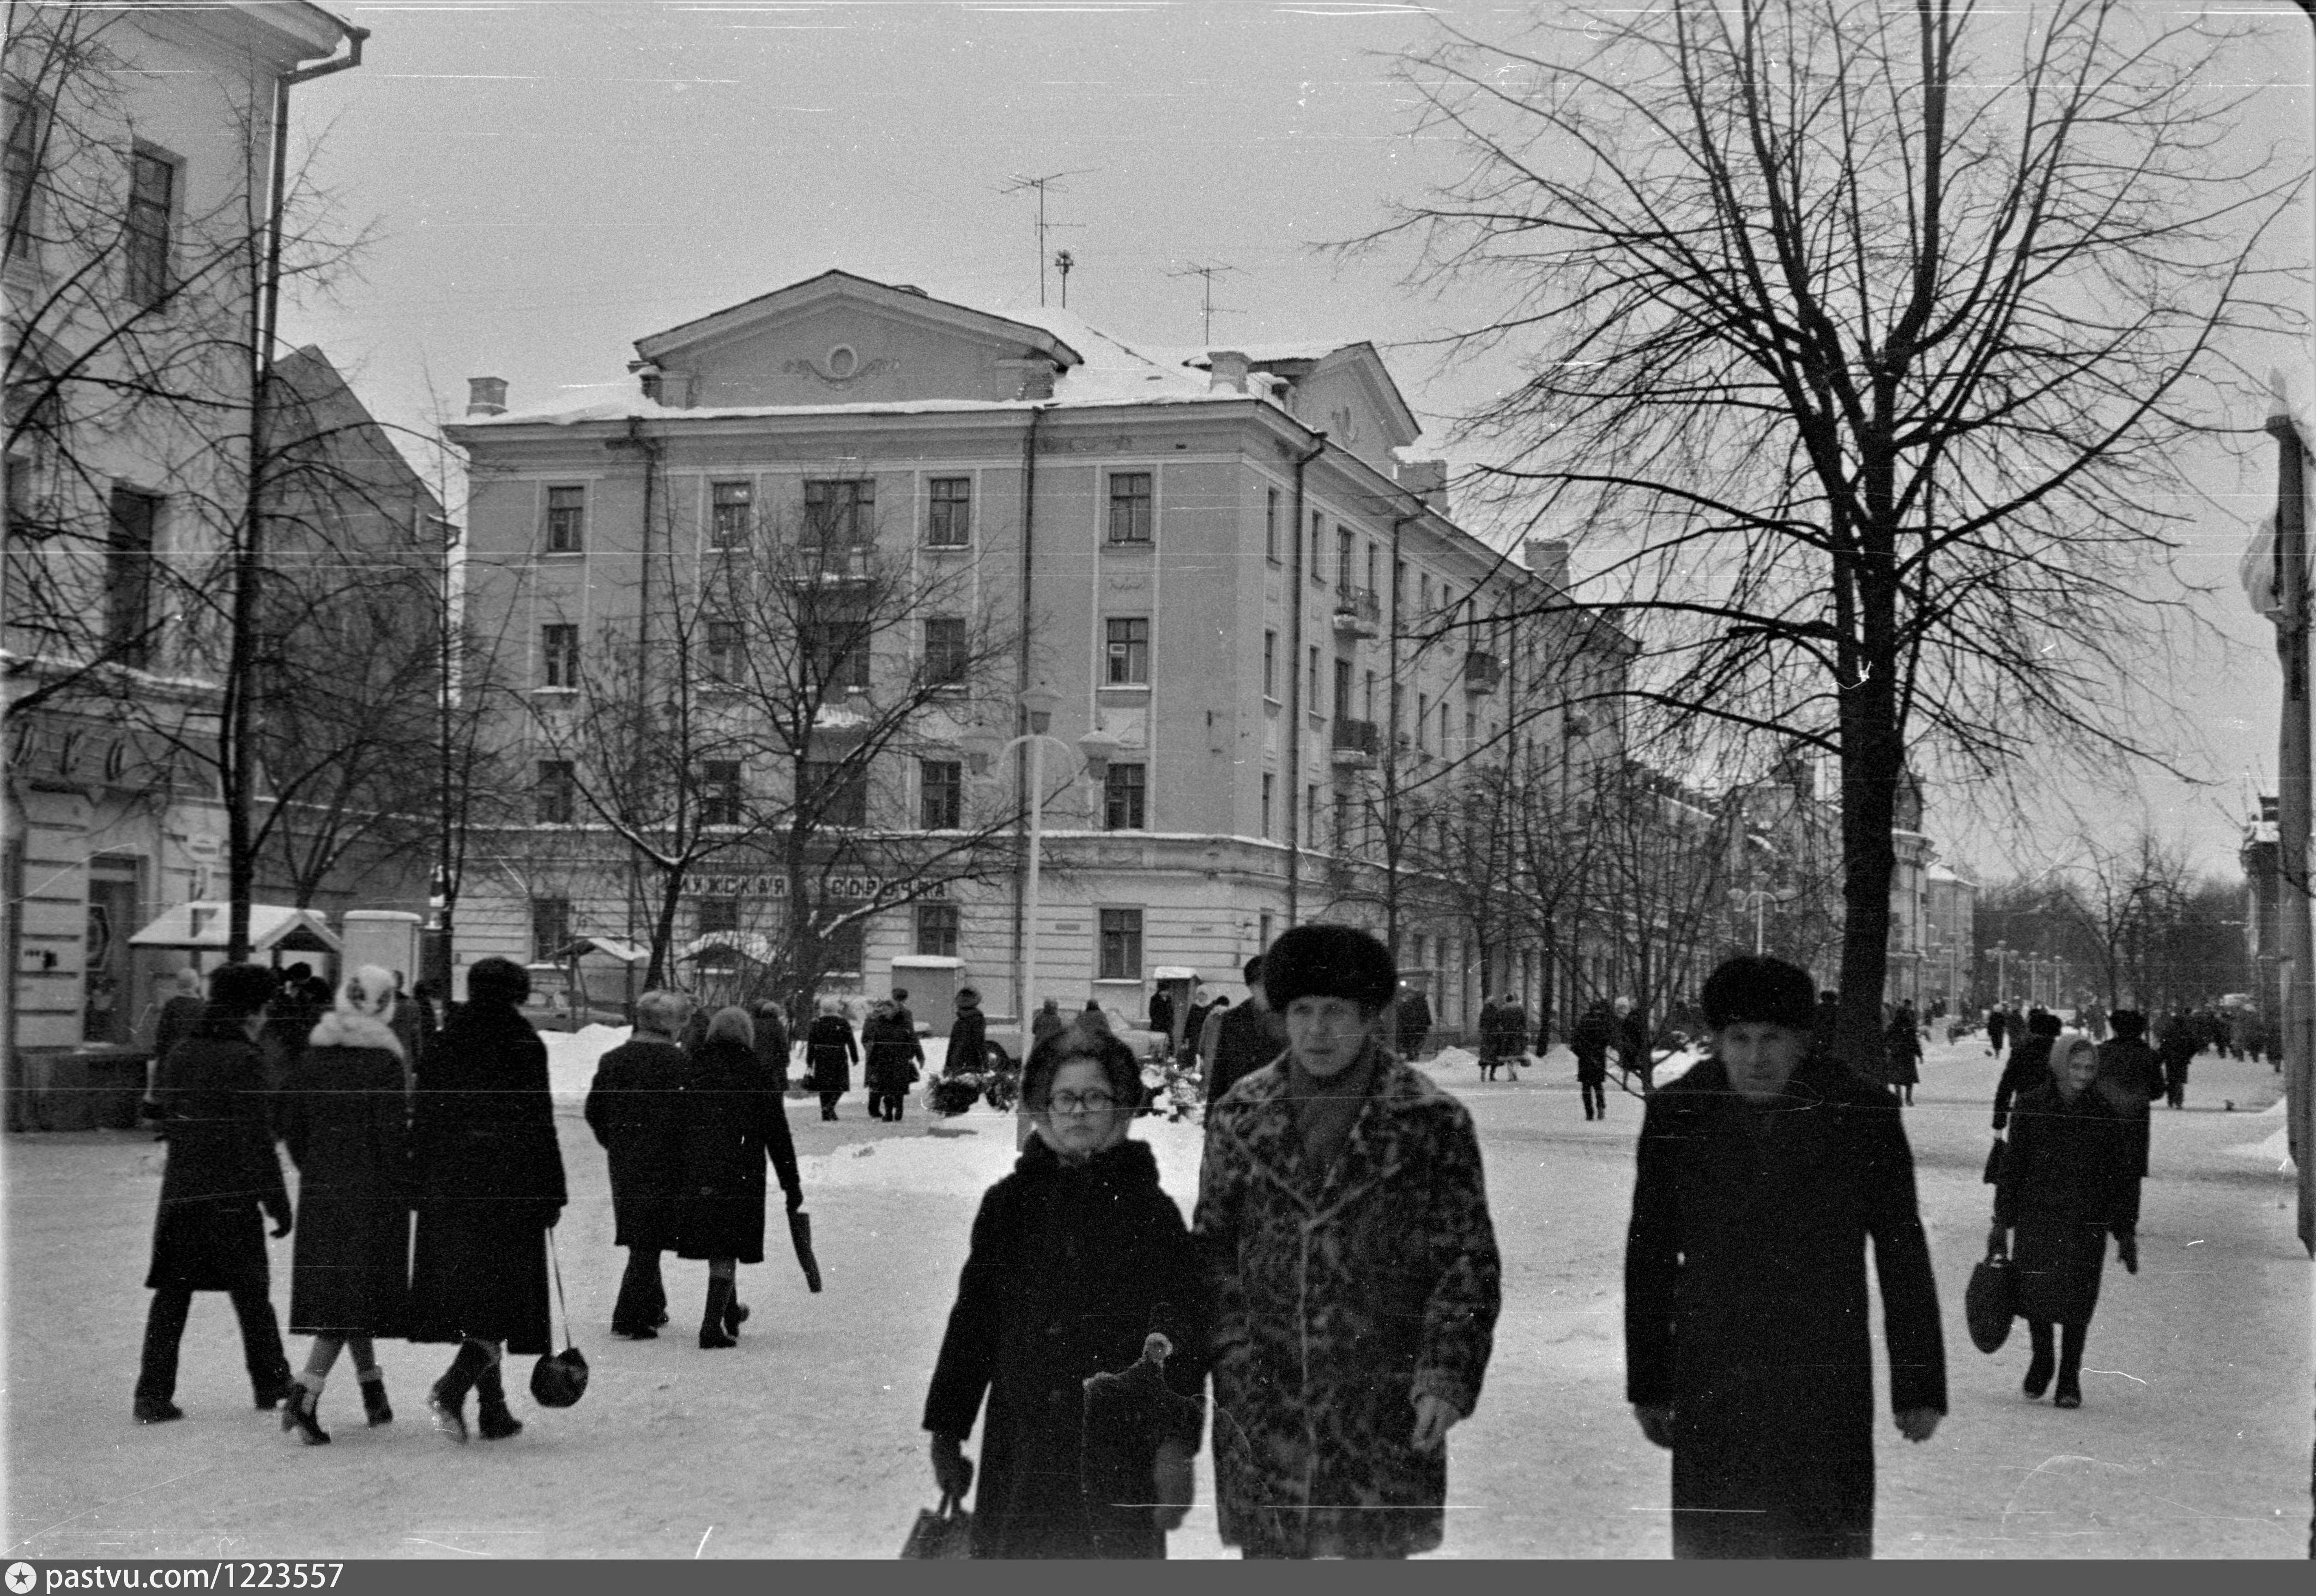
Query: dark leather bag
559	1379
946	1531
1991	1302
1994	1175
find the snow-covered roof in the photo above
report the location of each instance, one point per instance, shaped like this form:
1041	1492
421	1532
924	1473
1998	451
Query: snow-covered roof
202	927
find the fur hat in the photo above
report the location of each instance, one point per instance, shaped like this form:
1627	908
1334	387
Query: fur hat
237	990
1753	988
498	981
1329	961
359	1012
2128	1023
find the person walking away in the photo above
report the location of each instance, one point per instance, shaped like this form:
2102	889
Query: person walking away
968	1036
221	1175
1491	1035
2177	1046
345	1120
2130	1078
1210	1027
2068	1184
2028	1065
174	1022
1076	1257
1995	1019
830	1053
894	1059
633	1109
1413	1022
1632	1041
902	1011
1511	1038
773	1041
1761	1175
1589	1041
733	1122
1904	1042
490	1186
1247	1036
1046	1021
1343	1222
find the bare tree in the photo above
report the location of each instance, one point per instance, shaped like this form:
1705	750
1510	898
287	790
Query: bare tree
1865	338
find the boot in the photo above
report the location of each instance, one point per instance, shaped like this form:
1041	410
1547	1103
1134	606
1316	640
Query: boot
491	1415
2039	1366
446	1399
712	1334
374	1403
735	1312
297	1414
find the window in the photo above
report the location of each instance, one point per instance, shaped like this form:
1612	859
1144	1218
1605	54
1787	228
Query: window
719	792
1129	507
1126	791
1368	712
1422	720
1311	815
21	173
1398	588
559	654
1443	729
1270	525
1270	796
1343	689
949	520
152	207
1270	665
837	653
1318	545
940	787
730	512
1129	652
727	658
1262	934
839	514
554	796
837	792
1314	702
1343	558
1342	822
567	519
129	576
718	915
1423	596
1471	727
937	931
1371	567
945	651
550	928
1121	945
847	947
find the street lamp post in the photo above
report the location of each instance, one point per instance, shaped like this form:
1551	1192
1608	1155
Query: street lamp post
1759	898
2001	974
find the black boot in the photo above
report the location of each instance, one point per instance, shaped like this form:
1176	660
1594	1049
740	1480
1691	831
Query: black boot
446	1400
297	1414
735	1312
374	1403
491	1415
712	1334
2039	1366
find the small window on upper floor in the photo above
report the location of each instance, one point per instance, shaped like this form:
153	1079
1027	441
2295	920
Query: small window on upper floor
1129	662
1131	517
731	514
148	235
566	520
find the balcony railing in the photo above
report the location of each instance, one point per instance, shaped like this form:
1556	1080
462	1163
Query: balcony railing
1357	612
831	561
1483	672
1356	742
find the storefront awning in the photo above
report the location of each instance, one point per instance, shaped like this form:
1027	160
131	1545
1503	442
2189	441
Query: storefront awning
754	947
200	927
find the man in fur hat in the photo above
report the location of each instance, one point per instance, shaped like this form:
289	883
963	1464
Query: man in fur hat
1762	1174
1345	1233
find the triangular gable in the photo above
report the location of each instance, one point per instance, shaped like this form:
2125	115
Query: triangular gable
748	316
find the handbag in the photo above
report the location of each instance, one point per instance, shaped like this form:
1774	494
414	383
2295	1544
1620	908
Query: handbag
946	1531
1994	1175
800	1233
559	1379
1991	1302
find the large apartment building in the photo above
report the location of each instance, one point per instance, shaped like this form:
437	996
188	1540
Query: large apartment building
1240	598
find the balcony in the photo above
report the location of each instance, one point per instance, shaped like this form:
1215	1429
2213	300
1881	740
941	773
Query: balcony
832	564
1356	743
1483	672
1357	614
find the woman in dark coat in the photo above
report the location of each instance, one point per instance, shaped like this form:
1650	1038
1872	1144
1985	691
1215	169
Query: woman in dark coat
632	1109
210	1093
894	1059
1077	1255
2068	1181
345	1116
489	1187
773	1041
829	1053
1761	1175
2028	1065
968	1036
1589	1041
1904	1041
733	1119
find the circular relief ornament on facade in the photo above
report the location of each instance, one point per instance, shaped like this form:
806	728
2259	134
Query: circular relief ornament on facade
843	363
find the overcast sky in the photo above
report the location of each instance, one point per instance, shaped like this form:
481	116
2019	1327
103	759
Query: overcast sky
553	178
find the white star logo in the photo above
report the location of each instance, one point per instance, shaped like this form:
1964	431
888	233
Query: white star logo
20	1578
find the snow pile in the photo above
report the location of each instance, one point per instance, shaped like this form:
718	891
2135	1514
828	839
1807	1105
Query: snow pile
570	1059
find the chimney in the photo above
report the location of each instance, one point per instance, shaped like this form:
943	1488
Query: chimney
1427	479
1548	558
486	396
1226	370
1037	379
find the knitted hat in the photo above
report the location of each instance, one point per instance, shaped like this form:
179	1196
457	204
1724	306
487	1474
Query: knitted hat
498	981
239	989
1759	990
1329	961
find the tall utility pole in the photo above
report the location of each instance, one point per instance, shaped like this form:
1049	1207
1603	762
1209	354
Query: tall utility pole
2293	805
1209	273
1051	180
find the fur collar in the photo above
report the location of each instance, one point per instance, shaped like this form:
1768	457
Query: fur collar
335	1030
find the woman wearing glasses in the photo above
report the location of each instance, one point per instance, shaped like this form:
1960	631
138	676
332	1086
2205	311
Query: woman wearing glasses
1076	1256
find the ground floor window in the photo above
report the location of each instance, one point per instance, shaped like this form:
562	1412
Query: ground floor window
1121	945
937	931
550	928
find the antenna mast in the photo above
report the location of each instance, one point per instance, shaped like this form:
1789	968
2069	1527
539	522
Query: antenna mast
1209	309
1052	181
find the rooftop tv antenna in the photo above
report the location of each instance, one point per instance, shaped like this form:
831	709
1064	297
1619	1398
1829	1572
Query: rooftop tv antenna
1063	261
1209	309
1052	181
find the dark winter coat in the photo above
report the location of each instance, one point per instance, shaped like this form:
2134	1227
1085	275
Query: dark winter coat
968	1043
1746	1310
1071	1268
829	1054
2068	1181
1994	1023
1162	1014
1591	1040
1905	1043
177	1019
1043	1024
732	1119
222	1172
1414	1021
772	1046
2131	1077
1632	1043
2027	1067
1339	1296
1249	1036
489	1182
1491	1029
345	1119
893	1055
633	1108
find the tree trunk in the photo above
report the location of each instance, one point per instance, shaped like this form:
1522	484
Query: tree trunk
1872	760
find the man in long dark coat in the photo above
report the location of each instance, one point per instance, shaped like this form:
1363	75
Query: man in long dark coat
2131	1078
1246	1037
210	1091
1589	1041
1762	1174
632	1109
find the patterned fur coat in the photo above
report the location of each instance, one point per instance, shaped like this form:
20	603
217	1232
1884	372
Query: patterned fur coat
1339	1295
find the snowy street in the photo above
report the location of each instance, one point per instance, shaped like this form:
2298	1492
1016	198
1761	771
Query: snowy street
2193	1441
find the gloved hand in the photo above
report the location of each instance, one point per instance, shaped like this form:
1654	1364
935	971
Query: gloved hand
1656	1421
795	1199
1997	1242
280	1214
952	1469
2126	1251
